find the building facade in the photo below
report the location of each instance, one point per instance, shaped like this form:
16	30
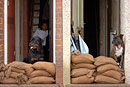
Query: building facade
15	16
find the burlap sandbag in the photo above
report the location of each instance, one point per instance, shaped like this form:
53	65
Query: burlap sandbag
113	74
22	79
39	73
7	72
29	70
2	75
2	66
14	75
83	65
22	66
9	81
81	72
105	80
19	65
41	80
47	66
107	67
82	58
75	52
17	70
101	60
82	80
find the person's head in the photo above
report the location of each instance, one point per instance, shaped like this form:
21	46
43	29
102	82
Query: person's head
44	25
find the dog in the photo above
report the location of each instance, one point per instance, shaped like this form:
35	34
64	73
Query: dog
35	52
118	49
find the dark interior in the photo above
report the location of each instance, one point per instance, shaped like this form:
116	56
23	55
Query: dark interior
41	12
91	26
42	6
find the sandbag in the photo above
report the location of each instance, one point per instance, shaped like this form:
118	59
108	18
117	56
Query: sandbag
29	70
83	65
19	65
2	66
7	72
81	72
41	80
101	60
47	66
9	81
75	52
17	70
82	80
22	79
82	58
14	75
107	67
113	74
106	80
22	66
37	73
2	74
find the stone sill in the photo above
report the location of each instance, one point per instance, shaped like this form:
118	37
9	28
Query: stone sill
31	85
97	85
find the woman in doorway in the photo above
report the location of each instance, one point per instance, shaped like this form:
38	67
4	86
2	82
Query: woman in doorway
42	32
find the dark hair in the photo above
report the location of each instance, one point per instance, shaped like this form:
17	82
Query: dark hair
43	22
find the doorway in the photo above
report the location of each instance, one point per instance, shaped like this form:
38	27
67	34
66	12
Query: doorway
19	19
34	16
96	20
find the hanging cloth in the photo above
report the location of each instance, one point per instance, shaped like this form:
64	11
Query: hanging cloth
73	46
83	46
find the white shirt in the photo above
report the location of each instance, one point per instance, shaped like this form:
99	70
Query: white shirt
42	34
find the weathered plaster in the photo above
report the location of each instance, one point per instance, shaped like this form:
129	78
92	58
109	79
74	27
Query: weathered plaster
66	41
125	29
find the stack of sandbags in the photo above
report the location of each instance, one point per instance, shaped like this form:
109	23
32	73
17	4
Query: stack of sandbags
82	69
108	71
5	75
44	73
17	73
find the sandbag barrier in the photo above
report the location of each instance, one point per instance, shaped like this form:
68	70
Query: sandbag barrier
83	68
101	70
22	73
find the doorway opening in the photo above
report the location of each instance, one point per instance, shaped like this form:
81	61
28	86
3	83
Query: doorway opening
96	21
41	10
24	17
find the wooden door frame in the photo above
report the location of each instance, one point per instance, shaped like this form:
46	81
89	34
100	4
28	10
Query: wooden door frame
51	30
